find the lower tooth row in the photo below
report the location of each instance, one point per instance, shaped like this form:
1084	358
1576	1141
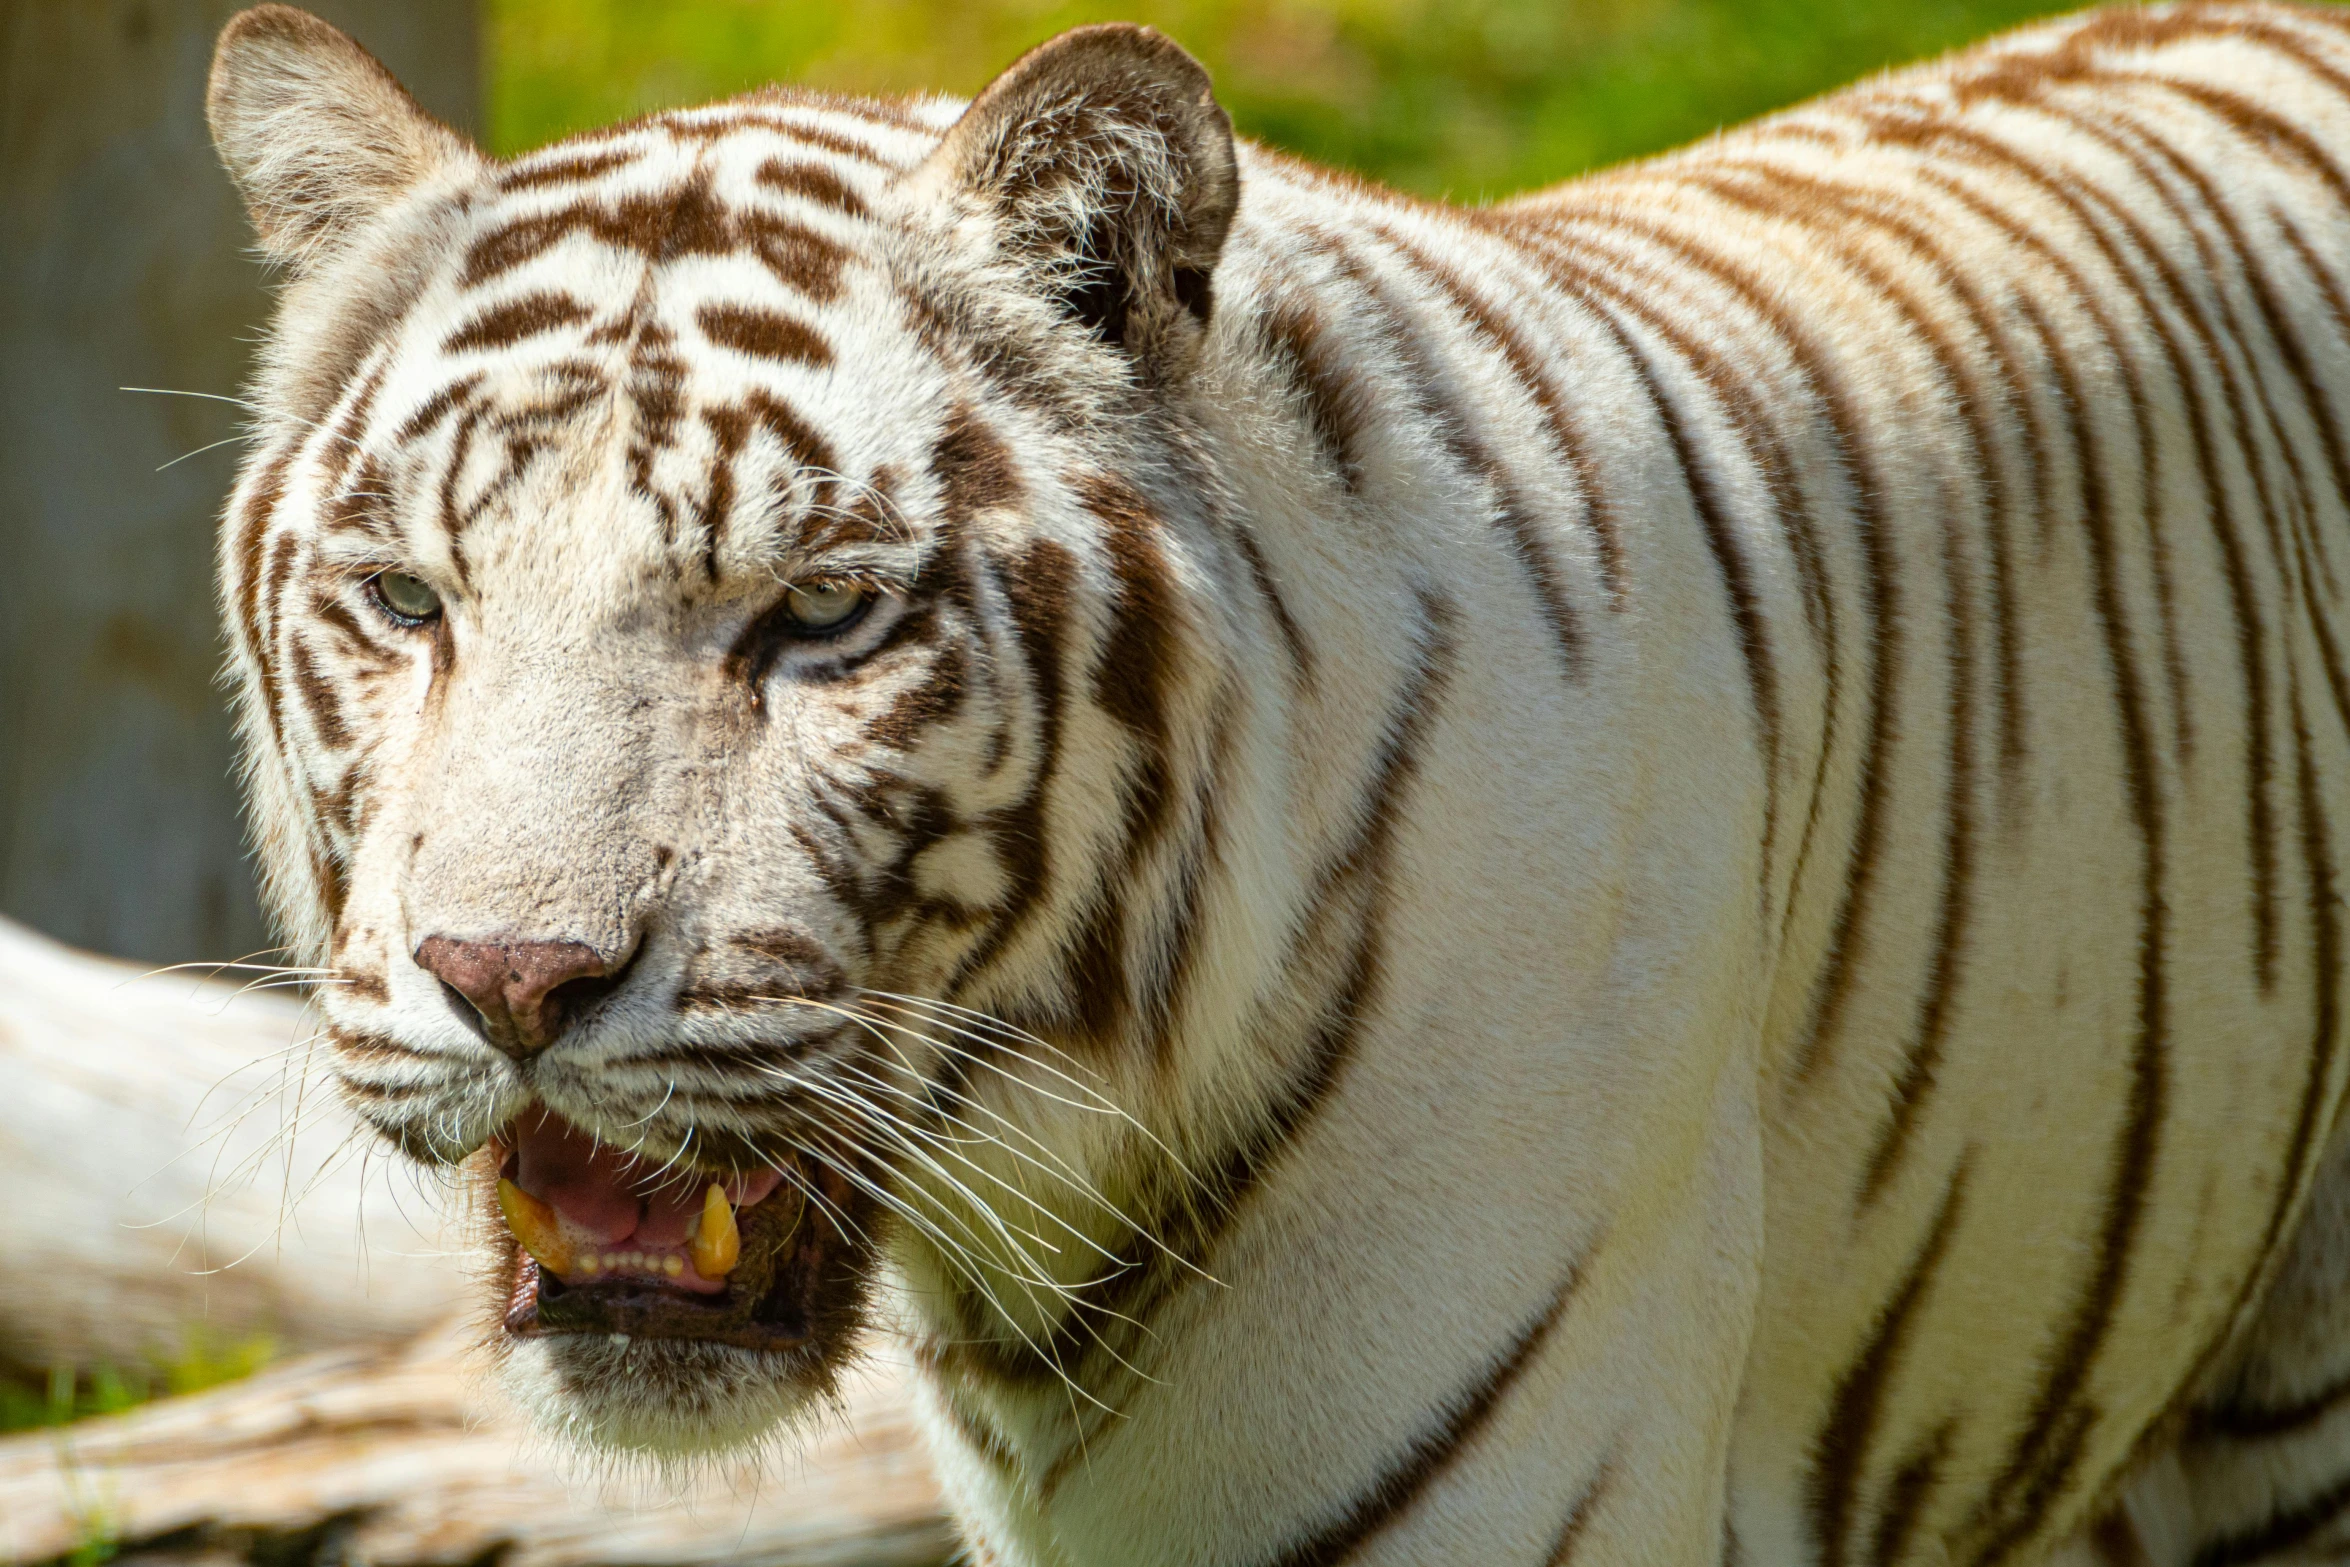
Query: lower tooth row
610	1261
716	1242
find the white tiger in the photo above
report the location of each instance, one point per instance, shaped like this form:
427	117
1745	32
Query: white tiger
1647	876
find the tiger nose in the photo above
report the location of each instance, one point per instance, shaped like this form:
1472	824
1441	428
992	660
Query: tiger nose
525	991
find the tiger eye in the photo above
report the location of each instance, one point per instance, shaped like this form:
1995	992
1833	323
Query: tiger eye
817	607
407	597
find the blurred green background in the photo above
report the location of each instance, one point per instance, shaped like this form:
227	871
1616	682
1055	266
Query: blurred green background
1458	98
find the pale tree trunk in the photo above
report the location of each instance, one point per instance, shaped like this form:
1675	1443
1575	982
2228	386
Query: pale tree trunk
125	261
175	1158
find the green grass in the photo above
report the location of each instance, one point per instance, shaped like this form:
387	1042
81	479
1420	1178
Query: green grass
68	1392
1467	98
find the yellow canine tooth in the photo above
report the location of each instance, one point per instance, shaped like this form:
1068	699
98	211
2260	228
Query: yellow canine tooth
534	1224
717	1245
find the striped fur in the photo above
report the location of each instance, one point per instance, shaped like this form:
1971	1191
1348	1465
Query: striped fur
1647	876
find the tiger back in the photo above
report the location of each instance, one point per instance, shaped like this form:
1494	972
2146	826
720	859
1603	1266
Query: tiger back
1648	875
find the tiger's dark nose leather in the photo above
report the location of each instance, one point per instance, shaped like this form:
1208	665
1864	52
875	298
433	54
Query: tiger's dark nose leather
524	991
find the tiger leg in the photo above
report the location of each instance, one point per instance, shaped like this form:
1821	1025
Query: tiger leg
2261	1470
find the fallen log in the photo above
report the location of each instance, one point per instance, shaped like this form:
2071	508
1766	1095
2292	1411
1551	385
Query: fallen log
403	1458
174	1158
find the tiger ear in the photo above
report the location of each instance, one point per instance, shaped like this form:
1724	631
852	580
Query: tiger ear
317	135
1104	164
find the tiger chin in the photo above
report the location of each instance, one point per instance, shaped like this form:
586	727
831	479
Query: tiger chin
725	1340
1651	874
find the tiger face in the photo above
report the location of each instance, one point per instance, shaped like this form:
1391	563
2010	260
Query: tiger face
707	603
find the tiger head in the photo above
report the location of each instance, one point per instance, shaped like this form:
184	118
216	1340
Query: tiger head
720	622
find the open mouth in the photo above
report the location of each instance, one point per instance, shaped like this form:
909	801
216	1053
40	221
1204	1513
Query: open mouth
608	1242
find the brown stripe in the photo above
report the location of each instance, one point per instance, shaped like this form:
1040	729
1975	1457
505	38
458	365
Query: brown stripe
2319	1092
2315	394
1616	290
351	984
2229	333
1840	1452
1906	1495
1139	664
509	322
2244	596
1434	1451
833	142
954	328
2048	1449
2003	504
729	428
363	508
983	1440
252	528
319	698
374	1048
1751	412
2087	53
2239	1420
2285	1528
972	466
1922	1055
333	879
2217	339
662	227
1337	407
575	168
812	454
1168	969
1189	1235
925	704
1921	1059
520	451
345	445
1570	1536
1397	766
1132	676
1038	587
1293	637
351	635
2308	539
1439	406
762	334
437	407
446	510
277	571
752	118
812	182
2268	132
797	256
1567	440
2219	503
2339	311
1712	512
1832	988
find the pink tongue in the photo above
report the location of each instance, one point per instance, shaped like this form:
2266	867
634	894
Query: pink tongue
611	1194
